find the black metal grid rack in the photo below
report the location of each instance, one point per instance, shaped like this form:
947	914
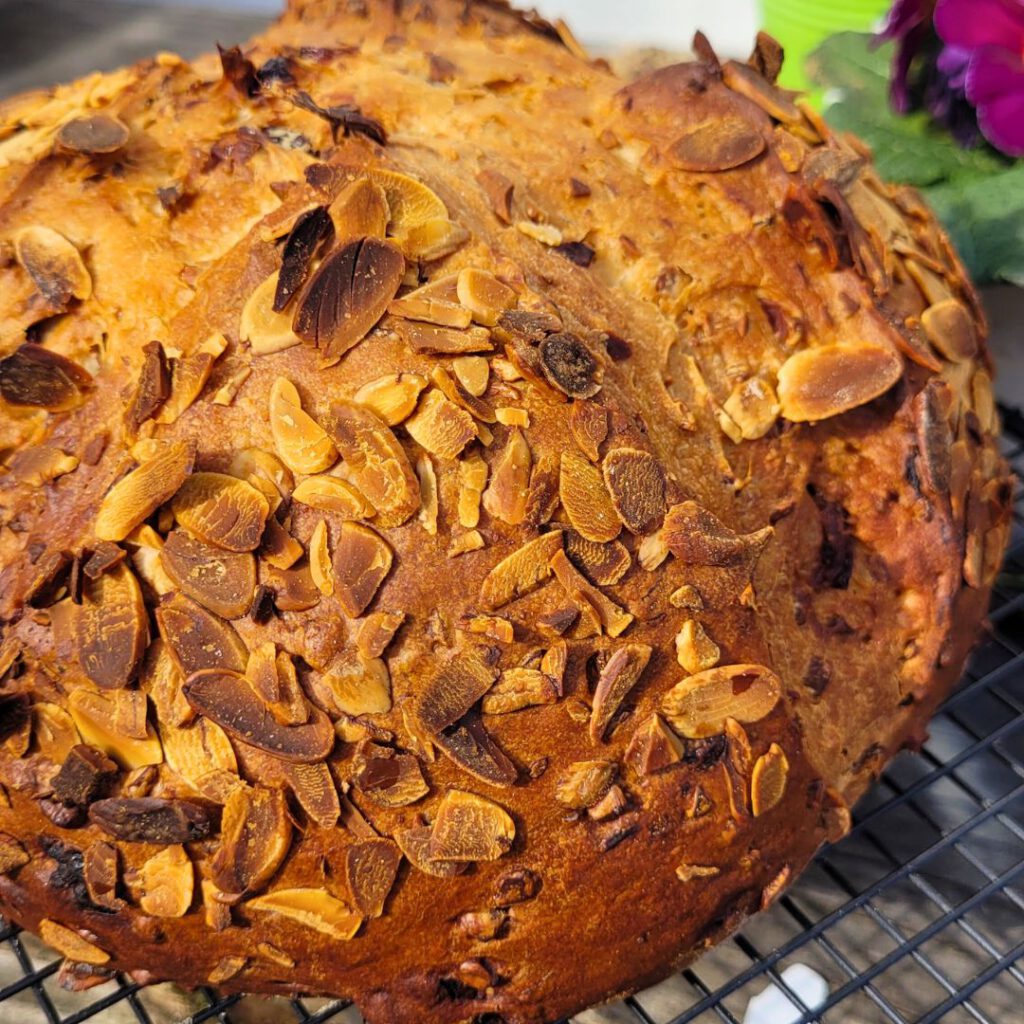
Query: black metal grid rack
916	916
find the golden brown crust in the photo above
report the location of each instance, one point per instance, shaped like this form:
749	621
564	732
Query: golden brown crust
691	409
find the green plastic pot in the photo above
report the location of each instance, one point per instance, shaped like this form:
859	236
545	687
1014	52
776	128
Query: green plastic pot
800	25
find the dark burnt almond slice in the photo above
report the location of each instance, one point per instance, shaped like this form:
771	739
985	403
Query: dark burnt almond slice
471	747
310	230
111	628
197	639
462	679
256	833
636	483
162	822
362	559
567	364
35	377
603	564
348	295
84	776
718	146
369	870
226	698
154	386
93	134
221	581
390	779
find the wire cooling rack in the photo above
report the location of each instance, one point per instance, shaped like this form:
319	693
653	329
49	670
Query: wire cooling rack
916	916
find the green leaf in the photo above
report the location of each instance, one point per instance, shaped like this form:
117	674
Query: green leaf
977	193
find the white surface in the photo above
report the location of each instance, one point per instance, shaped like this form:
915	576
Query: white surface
773	1006
669	24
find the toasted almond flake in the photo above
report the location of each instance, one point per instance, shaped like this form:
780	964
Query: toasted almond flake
414	844
484	295
546	234
301	442
455	392
54	264
950	328
688	872
55	730
428	494
506	497
687	597
195	752
566	362
167	880
266	472
653	551
360	210
411	203
472	481
377	631
554	663
375	462
821	382
216	912
751	410
718	145
470	828
320	559
311	908
12	854
110	628
222	581
586	500
264	330
226	968
493	626
275	955
93	134
473	373
518	688
654	747
433	240
362	558
256	833
334	495
440	426
636	483
472	540
188	378
748	82
392	397
590	601
436	302
620	674
442	341
499	191
695	650
221	510
603	564
522	571
361	687
197	639
136	496
513	417
698	537
768	780
369	871
228	391
700	705
70	943
584	783
279	548
588	423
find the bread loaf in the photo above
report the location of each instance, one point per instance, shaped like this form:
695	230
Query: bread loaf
470	526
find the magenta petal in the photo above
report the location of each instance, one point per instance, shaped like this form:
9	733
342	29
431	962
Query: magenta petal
974	23
992	74
1002	123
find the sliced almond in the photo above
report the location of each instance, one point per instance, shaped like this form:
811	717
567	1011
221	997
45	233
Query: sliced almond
718	145
821	382
473	373
375	462
369	871
603	564
362	559
198	752
470	828
410	201
653	550
222	581
221	510
360	210
264	330
93	134
695	650
588	423
950	328
518	688
311	908
320	559
37	378
300	441
54	264
472	481
167	881
440	426
266	472
196	639
590	601
279	549
464	543
654	747
768	780
433	240
188	378
584	783
443	341
227	699
70	943
471	747
415	843
455	392
377	631
360	688
54	729
542	497
436	302
750	410
226	968
484	295
138	495
348	294
546	234
457	684
12	854
392	397
161	679
101	870
586	500
698	537
334	495
256	833
428	494
688	597
636	483
619	675
506	497
521	571
699	705
493	626
390	779
688	872
110	628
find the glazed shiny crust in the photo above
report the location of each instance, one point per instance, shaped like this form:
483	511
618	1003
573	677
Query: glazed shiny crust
707	412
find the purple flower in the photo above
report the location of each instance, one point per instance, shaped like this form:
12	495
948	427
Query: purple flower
987	37
909	23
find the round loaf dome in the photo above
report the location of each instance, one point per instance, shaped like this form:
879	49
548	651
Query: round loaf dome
470	526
